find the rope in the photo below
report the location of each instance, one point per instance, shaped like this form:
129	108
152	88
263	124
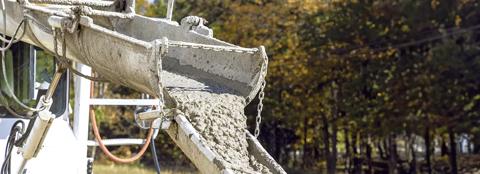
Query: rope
76	72
84	10
9	109
105	149
4	69
13	40
93	3
15	114
65	62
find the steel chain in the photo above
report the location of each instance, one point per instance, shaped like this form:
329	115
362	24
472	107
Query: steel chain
261	96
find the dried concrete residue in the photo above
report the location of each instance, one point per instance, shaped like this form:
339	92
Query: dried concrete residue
220	119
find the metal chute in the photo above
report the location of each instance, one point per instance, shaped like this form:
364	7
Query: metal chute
124	51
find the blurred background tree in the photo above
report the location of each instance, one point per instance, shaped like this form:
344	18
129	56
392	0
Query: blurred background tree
354	86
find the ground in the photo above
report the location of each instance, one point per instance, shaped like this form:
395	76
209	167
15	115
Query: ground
127	169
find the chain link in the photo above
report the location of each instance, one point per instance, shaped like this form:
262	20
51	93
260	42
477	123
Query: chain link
261	96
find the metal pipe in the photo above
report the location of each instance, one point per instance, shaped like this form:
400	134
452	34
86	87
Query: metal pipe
54	84
35	139
170	9
32	72
22	166
3	5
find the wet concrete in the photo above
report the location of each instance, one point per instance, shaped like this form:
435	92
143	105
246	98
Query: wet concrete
220	119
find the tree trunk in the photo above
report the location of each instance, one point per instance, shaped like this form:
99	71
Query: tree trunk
333	162
453	151
476	143
369	157
295	158
326	140
413	163
428	149
347	150
470	146
392	162
357	163
444	149
316	148
276	133
305	150
354	143
380	150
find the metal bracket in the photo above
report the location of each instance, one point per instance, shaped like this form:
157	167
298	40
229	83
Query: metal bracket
158	119
63	23
196	24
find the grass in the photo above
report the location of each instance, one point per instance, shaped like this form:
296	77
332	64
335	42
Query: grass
128	169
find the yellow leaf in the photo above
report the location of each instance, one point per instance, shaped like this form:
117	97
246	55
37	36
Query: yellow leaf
405	28
458	20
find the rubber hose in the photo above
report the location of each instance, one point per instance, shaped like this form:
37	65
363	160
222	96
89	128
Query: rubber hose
108	153
105	149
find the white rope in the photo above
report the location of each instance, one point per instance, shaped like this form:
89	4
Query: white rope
8	108
94	3
13	40
3	49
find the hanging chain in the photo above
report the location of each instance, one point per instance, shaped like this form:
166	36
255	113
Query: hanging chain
57	56
261	96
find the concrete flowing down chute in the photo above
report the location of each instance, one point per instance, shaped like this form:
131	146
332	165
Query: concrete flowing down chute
151	55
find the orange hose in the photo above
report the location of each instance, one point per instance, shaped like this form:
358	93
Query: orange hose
105	149
108	153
